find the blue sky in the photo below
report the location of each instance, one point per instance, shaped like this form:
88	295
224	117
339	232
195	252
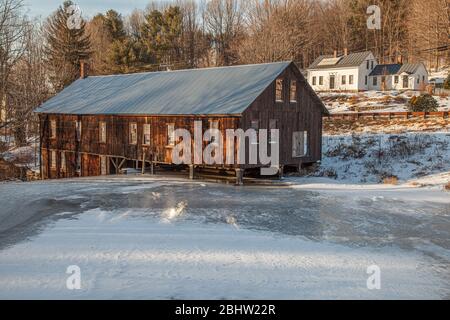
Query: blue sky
88	7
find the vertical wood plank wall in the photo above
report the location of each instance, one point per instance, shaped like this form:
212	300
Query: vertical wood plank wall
304	115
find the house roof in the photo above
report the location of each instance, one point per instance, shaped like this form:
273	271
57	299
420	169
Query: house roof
395	69
385	70
329	62
225	90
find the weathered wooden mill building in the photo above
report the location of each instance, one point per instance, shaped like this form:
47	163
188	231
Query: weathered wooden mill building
102	124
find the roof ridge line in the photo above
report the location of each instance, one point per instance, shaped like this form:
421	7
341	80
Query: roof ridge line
185	70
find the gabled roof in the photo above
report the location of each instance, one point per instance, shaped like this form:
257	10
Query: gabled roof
225	90
410	68
351	60
395	69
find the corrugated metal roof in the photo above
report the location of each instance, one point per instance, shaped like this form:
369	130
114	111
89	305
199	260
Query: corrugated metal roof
351	60
385	70
395	69
409	68
226	90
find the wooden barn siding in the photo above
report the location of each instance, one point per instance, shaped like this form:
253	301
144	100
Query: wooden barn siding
304	115
117	128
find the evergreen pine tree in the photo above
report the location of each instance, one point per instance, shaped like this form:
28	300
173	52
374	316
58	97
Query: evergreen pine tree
66	47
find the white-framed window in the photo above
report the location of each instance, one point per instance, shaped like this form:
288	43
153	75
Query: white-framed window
293	91
375	81
53	159
314	81
366	80
147	134
279	90
371	65
321	81
133	133
300	147
350	79
53	129
368	65
102	132
63	162
396	79
344	80
171	134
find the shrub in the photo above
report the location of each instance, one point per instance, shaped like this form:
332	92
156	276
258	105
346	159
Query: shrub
423	103
447	83
391	180
447	186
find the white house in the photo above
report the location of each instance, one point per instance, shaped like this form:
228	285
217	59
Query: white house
361	72
408	76
342	73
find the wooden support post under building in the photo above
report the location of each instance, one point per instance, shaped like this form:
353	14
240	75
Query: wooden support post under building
239	177
281	172
143	162
191	172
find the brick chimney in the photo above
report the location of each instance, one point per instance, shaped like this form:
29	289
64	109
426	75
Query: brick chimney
345	52
84	69
400	59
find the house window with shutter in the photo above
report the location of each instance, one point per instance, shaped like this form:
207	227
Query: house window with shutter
53	160
171	134
366	81
368	65
293	92
279	90
102	132
133	133
53	129
314	81
320	81
344	79
350	79
375	81
147	134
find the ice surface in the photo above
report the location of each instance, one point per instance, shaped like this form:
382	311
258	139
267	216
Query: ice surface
175	239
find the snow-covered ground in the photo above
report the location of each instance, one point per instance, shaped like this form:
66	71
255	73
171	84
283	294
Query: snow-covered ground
154	237
414	157
375	101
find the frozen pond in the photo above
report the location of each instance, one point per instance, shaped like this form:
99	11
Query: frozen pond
169	238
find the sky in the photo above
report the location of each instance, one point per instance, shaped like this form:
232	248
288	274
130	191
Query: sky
89	8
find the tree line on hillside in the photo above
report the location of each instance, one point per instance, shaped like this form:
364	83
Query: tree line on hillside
40	57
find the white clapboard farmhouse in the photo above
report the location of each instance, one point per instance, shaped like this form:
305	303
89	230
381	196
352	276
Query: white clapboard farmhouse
361	72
